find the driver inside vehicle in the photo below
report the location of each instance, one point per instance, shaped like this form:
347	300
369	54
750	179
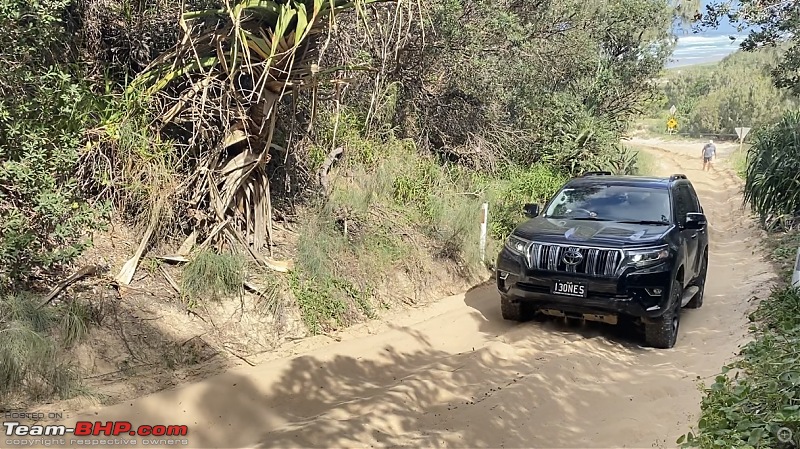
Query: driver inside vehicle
615	204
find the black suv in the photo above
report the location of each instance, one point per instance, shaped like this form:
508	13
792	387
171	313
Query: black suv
607	248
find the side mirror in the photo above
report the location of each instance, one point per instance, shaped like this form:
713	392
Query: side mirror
695	221
531	210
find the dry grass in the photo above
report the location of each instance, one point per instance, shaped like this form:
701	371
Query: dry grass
34	362
212	276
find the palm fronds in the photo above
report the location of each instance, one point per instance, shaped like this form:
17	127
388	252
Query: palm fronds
772	183
220	89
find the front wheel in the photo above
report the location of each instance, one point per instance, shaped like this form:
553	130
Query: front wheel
697	301
511	310
663	333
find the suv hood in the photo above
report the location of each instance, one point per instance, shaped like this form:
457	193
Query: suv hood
603	233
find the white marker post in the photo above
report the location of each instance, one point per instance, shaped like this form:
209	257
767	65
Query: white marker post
796	272
484	226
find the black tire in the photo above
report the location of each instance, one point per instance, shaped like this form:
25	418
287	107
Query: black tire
511	311
697	301
663	333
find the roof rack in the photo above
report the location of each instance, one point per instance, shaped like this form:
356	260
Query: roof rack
596	173
677	176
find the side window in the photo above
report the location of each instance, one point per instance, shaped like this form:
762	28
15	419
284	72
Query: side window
694	202
682	203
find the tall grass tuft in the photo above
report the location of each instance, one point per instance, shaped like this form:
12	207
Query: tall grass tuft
773	168
33	341
212	276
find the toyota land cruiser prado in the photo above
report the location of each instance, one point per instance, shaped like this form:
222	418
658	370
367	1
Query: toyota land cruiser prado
609	247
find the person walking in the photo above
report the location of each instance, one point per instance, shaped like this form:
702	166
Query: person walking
709	154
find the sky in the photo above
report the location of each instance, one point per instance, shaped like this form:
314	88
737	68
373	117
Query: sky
709	46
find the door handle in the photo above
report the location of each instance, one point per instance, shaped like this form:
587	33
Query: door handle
694	236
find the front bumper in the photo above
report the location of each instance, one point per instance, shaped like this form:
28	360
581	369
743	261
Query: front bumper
639	293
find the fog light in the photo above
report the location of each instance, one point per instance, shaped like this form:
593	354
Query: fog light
503	275
654	291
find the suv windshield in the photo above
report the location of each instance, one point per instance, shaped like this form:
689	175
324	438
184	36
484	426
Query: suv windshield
612	203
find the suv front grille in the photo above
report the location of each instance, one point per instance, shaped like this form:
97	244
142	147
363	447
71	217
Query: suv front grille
593	261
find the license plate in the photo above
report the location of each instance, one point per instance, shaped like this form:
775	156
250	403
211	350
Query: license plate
568	288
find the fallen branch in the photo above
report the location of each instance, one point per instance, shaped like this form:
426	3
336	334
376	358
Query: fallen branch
174	259
171	281
193	313
188	244
120	371
90	270
126	273
254	289
238	356
192	338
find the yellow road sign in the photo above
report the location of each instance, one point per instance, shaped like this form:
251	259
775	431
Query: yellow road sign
672	123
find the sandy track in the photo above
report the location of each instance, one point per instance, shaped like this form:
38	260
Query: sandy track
455	374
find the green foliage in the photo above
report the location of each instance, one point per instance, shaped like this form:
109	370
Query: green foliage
516	187
44	108
739	160
394	213
736	92
756	396
324	288
416	185
618	160
33	341
211	275
547	91
782	247
773	168
645	163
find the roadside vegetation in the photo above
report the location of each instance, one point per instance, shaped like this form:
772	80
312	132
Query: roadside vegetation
715	99
755	396
753	403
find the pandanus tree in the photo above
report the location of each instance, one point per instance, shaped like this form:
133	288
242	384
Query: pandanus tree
221	87
773	172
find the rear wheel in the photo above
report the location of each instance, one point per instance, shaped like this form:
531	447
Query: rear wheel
697	301
663	332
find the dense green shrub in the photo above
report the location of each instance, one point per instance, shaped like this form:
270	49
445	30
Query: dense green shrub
518	186
747	409
512	80
45	108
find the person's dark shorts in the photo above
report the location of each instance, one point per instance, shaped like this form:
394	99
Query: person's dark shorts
706	159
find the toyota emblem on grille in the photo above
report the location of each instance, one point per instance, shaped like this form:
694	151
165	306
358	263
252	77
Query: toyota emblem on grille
572	256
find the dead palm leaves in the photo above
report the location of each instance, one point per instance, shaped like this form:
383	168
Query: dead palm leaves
223	83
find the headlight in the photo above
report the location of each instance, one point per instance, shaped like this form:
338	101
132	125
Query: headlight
517	245
647	257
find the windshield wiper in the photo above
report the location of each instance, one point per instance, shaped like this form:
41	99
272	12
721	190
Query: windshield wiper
586	218
646	222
